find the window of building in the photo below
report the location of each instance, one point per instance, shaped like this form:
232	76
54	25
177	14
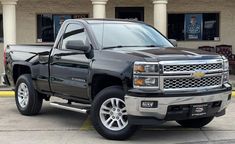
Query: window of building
1	29
132	13
194	26
48	25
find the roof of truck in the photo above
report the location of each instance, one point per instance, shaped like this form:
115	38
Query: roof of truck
106	20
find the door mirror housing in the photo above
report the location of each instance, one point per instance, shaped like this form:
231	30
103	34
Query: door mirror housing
78	45
174	42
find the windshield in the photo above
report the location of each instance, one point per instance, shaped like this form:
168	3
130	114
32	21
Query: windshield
118	35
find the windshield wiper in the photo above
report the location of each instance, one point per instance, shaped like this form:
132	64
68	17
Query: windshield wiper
118	46
153	46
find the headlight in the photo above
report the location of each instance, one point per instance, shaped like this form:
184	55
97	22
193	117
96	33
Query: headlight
226	77
226	65
226	70
146	75
145	67
145	82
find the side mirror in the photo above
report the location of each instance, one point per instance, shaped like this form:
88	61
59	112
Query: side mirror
78	45
174	42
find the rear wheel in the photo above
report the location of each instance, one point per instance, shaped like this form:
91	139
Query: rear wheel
195	123
28	100
109	115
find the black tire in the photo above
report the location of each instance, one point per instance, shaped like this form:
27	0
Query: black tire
195	123
34	102
101	97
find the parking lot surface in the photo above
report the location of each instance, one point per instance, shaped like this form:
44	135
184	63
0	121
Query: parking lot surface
56	126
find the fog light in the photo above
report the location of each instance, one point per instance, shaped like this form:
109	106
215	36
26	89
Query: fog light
149	104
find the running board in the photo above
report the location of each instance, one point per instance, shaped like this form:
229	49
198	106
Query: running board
70	107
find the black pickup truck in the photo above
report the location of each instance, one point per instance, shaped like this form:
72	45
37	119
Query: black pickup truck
123	73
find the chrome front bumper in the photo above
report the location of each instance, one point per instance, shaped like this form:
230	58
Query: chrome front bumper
134	108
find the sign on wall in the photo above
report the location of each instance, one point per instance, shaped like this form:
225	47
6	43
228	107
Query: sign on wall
193	26
79	16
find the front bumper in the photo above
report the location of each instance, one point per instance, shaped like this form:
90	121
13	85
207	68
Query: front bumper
161	112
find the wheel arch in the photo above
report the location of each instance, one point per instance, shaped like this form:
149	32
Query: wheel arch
20	69
102	81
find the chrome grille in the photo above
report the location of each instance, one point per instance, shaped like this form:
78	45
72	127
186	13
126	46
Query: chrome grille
192	67
191	83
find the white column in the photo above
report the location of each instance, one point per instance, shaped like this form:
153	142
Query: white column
9	21
99	8
160	15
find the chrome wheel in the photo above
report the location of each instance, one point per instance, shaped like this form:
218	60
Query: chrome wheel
23	95
113	114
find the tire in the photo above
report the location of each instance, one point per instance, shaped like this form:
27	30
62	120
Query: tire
195	123
28	100
112	111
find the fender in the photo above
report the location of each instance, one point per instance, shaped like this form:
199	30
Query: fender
29	65
117	69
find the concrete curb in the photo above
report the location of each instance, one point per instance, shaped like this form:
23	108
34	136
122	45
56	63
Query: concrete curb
233	93
7	93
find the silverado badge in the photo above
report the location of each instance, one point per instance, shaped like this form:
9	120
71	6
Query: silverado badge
198	74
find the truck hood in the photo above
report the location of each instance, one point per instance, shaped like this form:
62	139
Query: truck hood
167	54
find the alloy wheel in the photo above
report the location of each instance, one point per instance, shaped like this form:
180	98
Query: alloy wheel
23	95
113	114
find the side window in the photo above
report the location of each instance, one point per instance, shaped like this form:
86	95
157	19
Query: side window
74	32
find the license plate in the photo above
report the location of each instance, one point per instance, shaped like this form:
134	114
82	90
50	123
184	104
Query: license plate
199	110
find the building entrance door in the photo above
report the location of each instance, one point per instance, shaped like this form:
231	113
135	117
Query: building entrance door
134	13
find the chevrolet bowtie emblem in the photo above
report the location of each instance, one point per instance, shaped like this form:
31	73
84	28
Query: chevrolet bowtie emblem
198	74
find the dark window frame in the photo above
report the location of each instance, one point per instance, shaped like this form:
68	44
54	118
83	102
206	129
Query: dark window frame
39	36
196	12
131	9
1	29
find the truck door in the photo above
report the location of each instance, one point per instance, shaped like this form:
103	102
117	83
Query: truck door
69	69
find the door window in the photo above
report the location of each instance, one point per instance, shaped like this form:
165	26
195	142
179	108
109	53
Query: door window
74	32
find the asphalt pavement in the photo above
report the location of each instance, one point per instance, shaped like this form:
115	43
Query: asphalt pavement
56	126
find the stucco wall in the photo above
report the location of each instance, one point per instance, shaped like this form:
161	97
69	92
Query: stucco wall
27	10
26	15
227	18
226	8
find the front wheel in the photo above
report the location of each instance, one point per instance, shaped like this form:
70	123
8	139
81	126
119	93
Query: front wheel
109	115
195	123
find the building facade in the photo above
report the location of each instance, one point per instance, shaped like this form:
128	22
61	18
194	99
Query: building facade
193	23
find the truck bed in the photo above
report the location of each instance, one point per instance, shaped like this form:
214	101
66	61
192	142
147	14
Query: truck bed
27	52
34	56
31	48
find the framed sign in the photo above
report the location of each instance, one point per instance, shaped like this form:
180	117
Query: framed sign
79	16
193	26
